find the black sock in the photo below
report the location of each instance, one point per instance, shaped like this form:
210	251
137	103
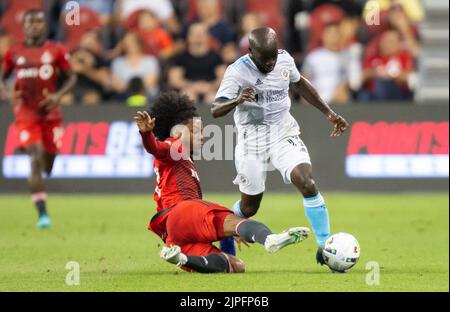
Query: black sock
253	231
213	263
41	207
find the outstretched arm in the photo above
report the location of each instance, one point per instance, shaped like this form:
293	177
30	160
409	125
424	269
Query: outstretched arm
310	94
146	124
222	106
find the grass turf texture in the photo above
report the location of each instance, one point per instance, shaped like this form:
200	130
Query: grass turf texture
407	234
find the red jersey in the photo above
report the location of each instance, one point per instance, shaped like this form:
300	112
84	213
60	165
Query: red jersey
402	61
177	178
36	69
155	40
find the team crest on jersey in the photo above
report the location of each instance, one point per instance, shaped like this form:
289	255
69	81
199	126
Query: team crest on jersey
24	136
21	61
285	73
242	180
46	71
46	58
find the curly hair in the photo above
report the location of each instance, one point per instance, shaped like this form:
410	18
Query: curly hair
171	109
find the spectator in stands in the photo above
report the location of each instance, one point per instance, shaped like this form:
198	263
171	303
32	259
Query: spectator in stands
350	7
162	9
157	41
221	32
71	33
330	68
92	70
134	63
353	49
136	93
413	8
387	73
398	19
394	14
198	71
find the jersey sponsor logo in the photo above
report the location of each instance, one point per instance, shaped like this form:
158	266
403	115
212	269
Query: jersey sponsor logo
276	95
88	150
44	72
24	73
398	150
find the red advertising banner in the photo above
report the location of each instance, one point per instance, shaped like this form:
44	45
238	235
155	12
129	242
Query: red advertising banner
398	150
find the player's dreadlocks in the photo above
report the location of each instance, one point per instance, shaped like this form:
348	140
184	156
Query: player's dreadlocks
171	109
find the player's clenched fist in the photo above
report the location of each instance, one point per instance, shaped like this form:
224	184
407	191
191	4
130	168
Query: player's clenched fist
340	124
246	95
144	122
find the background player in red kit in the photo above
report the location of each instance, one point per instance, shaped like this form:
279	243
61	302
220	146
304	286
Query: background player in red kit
37	64
187	224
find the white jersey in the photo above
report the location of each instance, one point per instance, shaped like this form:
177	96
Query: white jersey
271	109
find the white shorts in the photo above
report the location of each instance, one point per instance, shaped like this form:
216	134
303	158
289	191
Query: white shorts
283	156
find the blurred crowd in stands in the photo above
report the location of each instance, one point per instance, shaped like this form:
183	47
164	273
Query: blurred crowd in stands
129	50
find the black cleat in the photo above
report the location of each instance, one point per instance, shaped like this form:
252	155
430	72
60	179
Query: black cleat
319	257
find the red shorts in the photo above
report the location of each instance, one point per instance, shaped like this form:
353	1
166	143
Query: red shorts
194	225
47	133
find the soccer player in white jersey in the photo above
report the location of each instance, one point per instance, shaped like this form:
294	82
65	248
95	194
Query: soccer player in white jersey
257	86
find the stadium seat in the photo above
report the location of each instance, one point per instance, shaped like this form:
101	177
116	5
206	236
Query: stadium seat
319	18
191	14
269	11
89	20
11	21
131	22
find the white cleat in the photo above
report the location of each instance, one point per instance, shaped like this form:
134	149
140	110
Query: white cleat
275	242
173	255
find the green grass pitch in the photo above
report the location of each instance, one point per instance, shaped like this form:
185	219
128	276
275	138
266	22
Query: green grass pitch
406	234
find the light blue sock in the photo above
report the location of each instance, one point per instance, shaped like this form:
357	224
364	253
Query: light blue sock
237	210
317	214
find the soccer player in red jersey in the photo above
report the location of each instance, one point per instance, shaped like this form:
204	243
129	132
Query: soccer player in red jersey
37	64
184	221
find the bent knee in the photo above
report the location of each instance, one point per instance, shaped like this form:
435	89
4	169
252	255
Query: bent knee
308	187
250	211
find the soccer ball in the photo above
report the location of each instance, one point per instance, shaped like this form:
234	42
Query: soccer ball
341	252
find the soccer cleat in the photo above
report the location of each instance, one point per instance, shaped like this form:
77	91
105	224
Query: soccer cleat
44	221
319	256
227	246
173	255
275	242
